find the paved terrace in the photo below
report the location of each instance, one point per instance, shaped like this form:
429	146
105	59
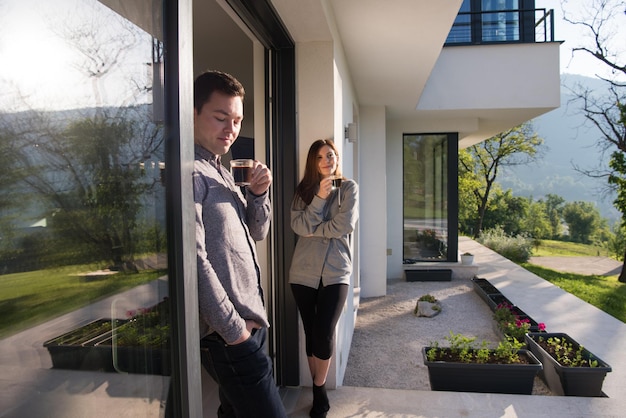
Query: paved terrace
30	388
601	333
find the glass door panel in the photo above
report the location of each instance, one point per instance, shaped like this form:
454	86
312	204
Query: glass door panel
425	191
84	308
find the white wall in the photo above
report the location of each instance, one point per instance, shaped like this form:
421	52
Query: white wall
394	199
373	196
325	104
507	76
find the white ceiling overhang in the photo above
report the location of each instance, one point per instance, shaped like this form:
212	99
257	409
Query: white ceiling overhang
390	46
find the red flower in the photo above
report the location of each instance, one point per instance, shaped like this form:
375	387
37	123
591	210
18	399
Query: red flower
520	322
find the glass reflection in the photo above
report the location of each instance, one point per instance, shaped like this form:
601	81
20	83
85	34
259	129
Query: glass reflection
83	285
425	207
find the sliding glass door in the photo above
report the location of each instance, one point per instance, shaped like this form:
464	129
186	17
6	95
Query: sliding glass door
84	301
429	187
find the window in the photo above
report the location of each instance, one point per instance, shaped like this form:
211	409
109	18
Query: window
82	209
493	21
425	197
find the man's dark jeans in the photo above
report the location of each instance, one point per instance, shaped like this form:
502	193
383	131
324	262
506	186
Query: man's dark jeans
244	375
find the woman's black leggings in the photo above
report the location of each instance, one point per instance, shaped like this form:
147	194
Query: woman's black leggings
320	310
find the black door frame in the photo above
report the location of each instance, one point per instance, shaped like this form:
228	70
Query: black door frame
262	20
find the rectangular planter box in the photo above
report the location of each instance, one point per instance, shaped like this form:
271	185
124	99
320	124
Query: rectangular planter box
80	349
428	275
484	286
568	381
484	289
494	300
483	378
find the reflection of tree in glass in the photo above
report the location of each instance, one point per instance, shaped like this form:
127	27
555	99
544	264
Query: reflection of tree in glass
88	175
84	165
106	44
10	206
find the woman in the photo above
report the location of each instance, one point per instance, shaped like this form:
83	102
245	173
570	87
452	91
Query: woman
324	217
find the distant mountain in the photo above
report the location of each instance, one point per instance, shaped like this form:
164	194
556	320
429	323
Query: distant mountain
570	141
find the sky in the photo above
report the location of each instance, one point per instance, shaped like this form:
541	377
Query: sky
39	70
574	36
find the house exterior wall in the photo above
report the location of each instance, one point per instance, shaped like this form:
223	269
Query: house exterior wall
373	201
325	106
499	86
494	77
519	82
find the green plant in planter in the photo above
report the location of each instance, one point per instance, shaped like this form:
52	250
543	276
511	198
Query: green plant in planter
464	349
84	333
568	368
511	325
146	327
468	366
565	353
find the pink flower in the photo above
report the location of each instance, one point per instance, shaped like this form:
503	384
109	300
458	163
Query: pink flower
542	326
504	305
520	322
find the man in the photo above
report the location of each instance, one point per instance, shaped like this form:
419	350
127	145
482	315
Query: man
233	319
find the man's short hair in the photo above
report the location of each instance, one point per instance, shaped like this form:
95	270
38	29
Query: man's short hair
211	81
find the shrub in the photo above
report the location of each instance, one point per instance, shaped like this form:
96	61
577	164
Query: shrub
516	248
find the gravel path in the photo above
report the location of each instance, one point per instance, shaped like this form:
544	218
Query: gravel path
388	337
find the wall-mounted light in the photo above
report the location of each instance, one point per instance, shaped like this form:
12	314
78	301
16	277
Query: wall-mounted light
351	132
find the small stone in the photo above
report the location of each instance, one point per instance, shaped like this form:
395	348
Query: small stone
427	309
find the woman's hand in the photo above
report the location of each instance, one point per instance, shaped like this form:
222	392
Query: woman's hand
326	186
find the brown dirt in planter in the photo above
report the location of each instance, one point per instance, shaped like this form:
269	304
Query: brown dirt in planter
563	353
443	355
388	337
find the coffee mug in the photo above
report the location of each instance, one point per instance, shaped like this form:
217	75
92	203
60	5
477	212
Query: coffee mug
242	171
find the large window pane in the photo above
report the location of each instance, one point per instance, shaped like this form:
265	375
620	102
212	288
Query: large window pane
500	21
425	197
461	31
84	313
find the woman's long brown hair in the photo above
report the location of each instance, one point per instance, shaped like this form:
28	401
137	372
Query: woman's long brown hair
308	186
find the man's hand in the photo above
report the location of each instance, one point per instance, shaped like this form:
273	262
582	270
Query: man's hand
250	325
261	179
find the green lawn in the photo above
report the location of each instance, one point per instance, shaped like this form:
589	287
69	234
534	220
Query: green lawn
27	299
603	292
564	248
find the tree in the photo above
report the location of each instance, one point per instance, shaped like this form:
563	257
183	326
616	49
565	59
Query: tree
516	146
583	220
84	165
536	222
87	178
553	205
468	181
617	242
506	211
602	21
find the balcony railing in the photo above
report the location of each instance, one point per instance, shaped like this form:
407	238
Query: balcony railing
502	26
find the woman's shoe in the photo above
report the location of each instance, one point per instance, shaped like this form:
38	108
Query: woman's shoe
320	402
